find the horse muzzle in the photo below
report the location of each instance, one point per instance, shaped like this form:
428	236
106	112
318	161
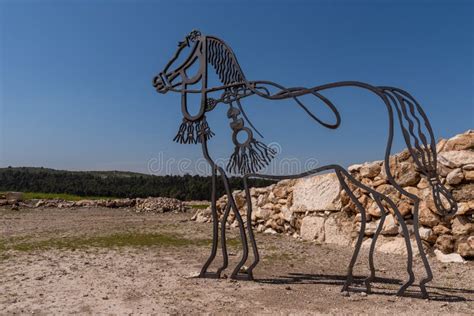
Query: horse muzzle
160	85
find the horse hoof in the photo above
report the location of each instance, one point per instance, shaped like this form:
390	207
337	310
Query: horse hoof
210	275
368	287
345	287
405	286
242	277
424	293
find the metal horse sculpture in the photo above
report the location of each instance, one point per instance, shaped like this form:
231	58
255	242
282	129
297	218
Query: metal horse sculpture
251	155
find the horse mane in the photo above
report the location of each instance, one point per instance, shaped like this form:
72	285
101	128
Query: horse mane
223	59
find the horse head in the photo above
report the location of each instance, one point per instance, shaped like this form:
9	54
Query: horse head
177	75
174	76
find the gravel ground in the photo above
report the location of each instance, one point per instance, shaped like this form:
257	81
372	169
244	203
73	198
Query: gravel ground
61	261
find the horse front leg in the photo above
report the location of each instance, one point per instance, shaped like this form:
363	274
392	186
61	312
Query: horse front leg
215	230
253	242
406	236
243	237
416	227
225	256
419	242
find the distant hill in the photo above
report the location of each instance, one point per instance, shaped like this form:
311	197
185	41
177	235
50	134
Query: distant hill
113	183
105	174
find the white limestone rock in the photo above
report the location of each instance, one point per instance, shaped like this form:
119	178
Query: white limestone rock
318	193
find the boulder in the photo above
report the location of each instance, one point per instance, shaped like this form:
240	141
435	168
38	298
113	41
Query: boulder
461	226
404	155
202	217
465	208
363	200
423	184
239	198
286	214
405	208
270	231
374	210
466	248
441	230
444	170
262	199
445	243
448	258
389	191
469	175
281	191
464	193
370	170
468	167
407	175
40	203
412	190
318	193
370	227
426	216
312	228
427	234
463	141
455	177
354	168
84	203
378	182
456	159
389	227
262	213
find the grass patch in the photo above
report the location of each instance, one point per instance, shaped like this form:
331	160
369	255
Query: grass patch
273	257
62	196
109	241
200	206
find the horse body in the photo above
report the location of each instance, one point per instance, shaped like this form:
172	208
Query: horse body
251	155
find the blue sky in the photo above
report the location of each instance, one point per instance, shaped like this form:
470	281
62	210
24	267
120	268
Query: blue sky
76	76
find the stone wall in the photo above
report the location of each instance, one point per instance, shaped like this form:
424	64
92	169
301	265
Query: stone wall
15	201
316	208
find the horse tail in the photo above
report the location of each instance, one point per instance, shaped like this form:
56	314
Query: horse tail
415	127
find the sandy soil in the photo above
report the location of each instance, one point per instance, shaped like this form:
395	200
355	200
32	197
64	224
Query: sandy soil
294	277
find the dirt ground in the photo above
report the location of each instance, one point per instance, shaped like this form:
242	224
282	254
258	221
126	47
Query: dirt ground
115	261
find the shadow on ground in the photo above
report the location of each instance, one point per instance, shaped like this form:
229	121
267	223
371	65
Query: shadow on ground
330	279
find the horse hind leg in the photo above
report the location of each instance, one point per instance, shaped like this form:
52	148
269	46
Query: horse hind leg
371	277
401	222
360	238
429	273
